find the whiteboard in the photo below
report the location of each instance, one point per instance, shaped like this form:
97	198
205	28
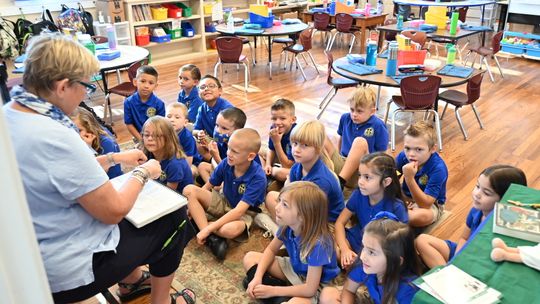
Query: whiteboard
526	7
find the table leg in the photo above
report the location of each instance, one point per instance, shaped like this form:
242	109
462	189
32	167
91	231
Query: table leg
270	56
483	12
107	111
380	40
362	39
378	97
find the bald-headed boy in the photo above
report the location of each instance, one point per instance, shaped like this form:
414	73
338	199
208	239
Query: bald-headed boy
244	185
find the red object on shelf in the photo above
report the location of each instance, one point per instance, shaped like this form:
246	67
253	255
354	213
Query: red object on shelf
142	40
173	10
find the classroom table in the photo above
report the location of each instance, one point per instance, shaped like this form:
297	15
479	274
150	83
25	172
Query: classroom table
360	21
276	30
128	55
517	282
452	4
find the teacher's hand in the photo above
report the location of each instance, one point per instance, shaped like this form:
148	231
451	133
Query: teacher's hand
153	167
131	158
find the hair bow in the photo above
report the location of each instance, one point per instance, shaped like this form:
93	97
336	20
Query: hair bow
385	215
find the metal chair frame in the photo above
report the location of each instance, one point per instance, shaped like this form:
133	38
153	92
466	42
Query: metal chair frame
230	52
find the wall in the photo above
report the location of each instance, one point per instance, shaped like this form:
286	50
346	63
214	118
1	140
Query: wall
32	9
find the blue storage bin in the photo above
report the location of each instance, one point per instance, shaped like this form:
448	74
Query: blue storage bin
319	10
187	29
513	48
161	39
264	22
108	55
533	50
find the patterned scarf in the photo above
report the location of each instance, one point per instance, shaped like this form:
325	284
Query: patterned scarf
41	106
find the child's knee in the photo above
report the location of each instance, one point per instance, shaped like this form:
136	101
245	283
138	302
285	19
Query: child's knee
189	190
251	258
271	199
329	295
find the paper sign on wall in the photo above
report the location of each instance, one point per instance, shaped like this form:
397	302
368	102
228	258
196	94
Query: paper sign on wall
217	11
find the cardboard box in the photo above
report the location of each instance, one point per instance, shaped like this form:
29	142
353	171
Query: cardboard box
113	9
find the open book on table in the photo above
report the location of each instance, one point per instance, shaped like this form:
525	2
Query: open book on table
154	201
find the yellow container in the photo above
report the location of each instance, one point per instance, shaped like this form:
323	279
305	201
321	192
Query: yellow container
159	13
440	22
437	10
208	8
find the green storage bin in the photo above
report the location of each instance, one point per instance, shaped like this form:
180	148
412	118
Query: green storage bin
186	11
175	33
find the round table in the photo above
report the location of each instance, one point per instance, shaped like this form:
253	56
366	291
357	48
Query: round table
454	4
276	30
128	55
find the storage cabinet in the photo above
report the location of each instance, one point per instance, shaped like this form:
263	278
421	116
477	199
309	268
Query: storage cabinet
524	44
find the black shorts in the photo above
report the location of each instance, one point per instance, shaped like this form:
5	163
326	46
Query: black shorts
137	246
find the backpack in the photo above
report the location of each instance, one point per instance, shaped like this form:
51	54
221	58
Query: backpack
87	19
9	45
70	18
23	31
46	23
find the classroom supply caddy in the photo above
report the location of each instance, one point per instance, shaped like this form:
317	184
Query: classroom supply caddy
521	44
436	15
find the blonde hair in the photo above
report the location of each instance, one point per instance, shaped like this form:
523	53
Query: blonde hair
92	126
312	133
250	137
312	205
54	57
178	105
165	132
363	97
422	129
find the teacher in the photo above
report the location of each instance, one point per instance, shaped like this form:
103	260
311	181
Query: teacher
78	217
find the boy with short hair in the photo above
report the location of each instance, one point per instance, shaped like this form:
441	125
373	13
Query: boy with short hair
210	91
215	150
279	147
361	132
243	189
189	76
143	104
424	174
177	114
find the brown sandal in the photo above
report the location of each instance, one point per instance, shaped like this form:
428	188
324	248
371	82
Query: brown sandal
184	293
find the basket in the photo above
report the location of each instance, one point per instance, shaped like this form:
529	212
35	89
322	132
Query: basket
186	11
160	39
173	10
264	22
208	8
411	57
175	33
159	13
142	40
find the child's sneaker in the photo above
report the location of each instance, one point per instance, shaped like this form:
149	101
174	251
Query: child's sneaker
266	223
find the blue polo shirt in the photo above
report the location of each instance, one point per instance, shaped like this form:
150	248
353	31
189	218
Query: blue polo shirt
206	117
404	294
137	112
285	143
192	101
373	130
327	181
321	255
474	219
175	170
186	140
249	188
108	144
364	211
431	178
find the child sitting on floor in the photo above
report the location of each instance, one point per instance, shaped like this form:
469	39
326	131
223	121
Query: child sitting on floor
188	78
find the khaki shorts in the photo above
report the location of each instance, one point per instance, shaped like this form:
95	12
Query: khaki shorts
295	279
339	161
436	208
220	206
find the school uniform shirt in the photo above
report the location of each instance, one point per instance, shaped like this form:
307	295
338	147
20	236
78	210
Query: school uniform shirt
474	219
327	181
109	145
249	188
285	143
206	116
192	102
373	130
431	178
404	294
137	112
175	170
364	211
186	140
321	255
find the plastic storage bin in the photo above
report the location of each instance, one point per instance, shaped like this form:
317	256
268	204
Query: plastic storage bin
159	13
264	22
175	33
173	11
160	39
411	57
208	8
142	40
187	29
186	11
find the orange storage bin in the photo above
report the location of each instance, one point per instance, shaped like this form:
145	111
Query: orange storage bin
411	57
142	40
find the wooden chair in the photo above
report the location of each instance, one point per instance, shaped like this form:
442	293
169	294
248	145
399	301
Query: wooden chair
459	99
488	52
335	83
125	89
229	50
300	48
418	94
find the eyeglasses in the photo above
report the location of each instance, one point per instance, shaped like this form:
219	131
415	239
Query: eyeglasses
209	86
90	88
154	136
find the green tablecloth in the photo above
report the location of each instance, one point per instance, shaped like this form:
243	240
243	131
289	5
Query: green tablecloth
517	282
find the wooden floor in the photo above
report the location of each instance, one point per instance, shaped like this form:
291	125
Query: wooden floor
509	108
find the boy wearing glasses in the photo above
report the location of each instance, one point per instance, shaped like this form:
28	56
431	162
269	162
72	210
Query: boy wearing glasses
210	92
144	103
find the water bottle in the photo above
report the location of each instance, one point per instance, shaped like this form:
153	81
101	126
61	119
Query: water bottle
380	7
400	22
391	63
371	53
111	36
454	23
451	56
